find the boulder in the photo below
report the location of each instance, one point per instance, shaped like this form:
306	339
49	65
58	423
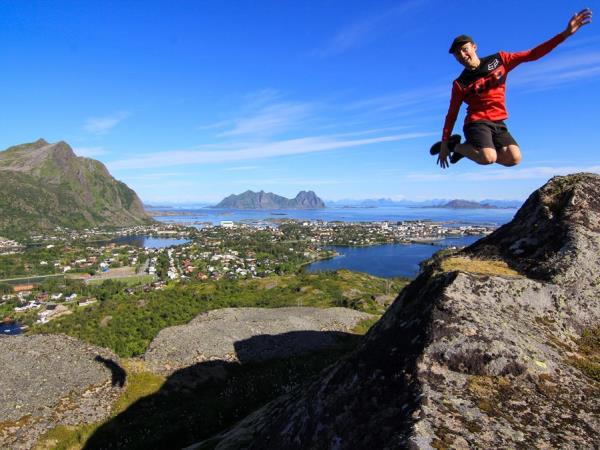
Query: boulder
249	335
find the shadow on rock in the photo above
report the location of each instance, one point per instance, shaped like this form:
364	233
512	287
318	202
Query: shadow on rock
368	399
200	401
118	373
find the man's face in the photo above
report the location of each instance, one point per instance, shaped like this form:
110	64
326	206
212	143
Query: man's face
467	55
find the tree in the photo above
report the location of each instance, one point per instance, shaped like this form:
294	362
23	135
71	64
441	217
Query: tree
6	288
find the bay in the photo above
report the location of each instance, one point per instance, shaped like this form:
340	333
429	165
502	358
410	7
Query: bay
388	260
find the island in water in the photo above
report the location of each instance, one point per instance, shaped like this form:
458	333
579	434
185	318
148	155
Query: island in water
268	200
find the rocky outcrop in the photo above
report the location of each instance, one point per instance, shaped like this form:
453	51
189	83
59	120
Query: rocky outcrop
49	380
249	335
468	356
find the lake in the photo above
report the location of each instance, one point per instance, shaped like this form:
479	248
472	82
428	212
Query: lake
148	241
10	329
389	260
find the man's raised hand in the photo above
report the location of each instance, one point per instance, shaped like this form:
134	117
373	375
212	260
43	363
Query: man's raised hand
578	20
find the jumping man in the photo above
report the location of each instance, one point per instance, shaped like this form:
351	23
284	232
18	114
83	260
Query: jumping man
482	86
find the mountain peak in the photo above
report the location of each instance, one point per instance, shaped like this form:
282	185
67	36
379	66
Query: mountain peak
39	143
268	200
554	234
46	185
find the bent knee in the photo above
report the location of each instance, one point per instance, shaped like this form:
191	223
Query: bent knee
488	156
515	153
512	156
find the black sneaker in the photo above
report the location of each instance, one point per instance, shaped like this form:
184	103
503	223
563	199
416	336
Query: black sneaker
454	139
456	157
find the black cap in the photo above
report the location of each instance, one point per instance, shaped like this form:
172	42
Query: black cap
459	41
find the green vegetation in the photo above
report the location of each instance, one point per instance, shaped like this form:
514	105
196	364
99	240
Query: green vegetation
137	317
7	308
127	281
589	354
365	325
28	262
6	288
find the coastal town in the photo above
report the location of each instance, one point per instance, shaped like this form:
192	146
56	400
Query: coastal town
53	274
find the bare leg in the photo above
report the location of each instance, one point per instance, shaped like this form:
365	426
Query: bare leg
509	156
479	155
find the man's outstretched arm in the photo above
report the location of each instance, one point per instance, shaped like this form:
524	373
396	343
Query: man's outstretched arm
456	99
512	60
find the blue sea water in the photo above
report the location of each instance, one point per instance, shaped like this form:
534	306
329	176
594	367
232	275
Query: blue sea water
458	216
387	261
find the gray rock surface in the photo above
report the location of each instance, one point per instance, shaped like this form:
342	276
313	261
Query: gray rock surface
248	335
49	380
467	359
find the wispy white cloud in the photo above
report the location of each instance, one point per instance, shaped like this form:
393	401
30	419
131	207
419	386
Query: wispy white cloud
262	97
214	125
156	176
579	41
267	150
557	70
406	100
529	173
90	152
289	181
101	125
263	113
270	120
365	30
241	168
372	131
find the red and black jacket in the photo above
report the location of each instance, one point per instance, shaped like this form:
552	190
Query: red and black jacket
484	89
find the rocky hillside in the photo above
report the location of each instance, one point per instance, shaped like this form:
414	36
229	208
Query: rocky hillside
495	346
268	200
46	185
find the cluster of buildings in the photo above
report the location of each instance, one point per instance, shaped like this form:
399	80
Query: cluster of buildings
232	251
371	233
7	246
50	305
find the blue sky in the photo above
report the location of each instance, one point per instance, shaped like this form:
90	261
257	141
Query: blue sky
190	101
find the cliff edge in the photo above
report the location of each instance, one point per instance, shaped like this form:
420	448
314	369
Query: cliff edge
494	346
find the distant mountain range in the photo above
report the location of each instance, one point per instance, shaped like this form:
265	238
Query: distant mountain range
465	204
383	202
268	200
46	185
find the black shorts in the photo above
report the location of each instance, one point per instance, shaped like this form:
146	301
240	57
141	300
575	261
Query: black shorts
484	134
